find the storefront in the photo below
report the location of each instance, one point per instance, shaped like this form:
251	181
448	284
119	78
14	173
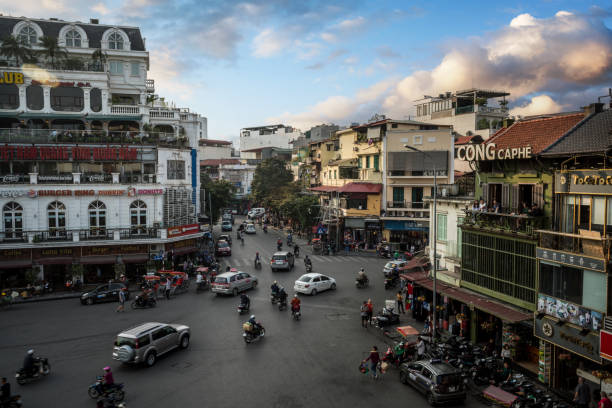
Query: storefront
14	265
402	234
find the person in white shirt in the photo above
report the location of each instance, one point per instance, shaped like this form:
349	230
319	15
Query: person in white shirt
199	277
482	206
420	346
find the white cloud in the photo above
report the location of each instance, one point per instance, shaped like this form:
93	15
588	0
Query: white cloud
538	105
269	43
351	24
101	9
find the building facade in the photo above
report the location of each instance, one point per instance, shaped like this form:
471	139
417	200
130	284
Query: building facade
254	139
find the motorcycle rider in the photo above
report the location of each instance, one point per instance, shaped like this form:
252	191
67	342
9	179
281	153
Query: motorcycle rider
256	326
361	277
289	239
108	382
265	228
199	279
245	301
275	289
295	304
307	261
279	244
282	295
29	363
296	250
257	259
5	391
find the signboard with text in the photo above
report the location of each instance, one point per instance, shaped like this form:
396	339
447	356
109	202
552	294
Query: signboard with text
568	337
183	230
488	152
65	153
584	181
578	261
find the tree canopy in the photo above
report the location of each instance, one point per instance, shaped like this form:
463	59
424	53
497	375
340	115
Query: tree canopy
270	175
221	193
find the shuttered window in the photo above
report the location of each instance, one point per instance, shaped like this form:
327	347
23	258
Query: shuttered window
441	227
376	162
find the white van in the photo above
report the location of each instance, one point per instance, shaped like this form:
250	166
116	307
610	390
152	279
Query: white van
256	212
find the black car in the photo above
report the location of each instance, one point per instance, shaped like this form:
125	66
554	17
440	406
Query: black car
104	293
439	381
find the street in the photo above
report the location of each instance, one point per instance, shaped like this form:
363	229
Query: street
308	363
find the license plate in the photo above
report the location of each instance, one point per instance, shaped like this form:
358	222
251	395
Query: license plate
279	262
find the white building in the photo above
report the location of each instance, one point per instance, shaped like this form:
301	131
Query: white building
99	175
257	138
214	149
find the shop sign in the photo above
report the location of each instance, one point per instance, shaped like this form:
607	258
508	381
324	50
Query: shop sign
64	153
605	344
11	77
13	193
114	250
183	230
569	312
58	83
50	252
372	225
132	192
11	178
487	152
584	181
15	254
568	337
95	178
181	244
579	261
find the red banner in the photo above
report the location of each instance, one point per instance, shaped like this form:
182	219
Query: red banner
63	153
183	230
605	344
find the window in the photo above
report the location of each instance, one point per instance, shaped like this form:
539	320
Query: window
12	213
562	282
144	340
441	227
138	217
73	39
176	170
376	162
97	218
593	297
34	97
135	69
116	67
158	334
27	36
95	100
367	162
417	140
398	197
336	174
56	213
9	96
394	126
115	41
67	99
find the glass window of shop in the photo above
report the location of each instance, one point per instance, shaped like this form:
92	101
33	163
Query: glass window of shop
9	96
138	216
56	212
12	214
593	297
53	168
67	99
95	100
561	281
587	212
97	218
35	97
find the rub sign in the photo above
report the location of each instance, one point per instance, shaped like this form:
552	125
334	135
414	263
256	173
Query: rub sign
484	152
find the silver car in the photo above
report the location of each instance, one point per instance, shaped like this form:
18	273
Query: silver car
232	283
146	342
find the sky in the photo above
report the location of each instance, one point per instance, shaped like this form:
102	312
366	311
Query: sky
303	63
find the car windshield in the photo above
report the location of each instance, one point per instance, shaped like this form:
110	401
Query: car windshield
223	244
449	380
305	278
220	279
390	265
279	258
227	223
125	341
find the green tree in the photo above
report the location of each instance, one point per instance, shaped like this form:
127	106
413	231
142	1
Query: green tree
221	193
13	48
302	209
51	50
270	176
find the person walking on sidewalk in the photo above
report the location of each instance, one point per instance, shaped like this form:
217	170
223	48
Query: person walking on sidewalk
122	296
582	394
374	359
400	302
168	287
364	314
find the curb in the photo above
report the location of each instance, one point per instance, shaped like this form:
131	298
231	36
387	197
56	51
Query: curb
46	299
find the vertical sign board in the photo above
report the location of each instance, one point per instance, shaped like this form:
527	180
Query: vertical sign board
195	168
605	344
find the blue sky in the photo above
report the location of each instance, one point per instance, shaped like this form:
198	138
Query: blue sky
302	63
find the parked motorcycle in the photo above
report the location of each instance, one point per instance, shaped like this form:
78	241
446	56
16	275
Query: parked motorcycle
142	303
386	317
390	282
252	333
114	393
43	368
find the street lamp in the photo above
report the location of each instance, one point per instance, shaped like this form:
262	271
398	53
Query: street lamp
435	234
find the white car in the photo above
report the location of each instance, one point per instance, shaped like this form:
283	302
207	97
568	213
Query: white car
250	229
392	264
313	283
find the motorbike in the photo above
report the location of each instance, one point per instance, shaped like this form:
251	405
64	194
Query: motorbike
115	393
296	313
13	402
282	304
296	252
390	282
384	252
142	303
252	333
390	357
109	403
274	298
243	308
265	229
202	286
308	268
257	264
386	317
43	368
279	246
361	283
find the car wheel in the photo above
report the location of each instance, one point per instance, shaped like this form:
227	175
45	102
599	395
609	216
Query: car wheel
313	292
430	399
235	292
333	286
151	359
185	342
403	377
90	301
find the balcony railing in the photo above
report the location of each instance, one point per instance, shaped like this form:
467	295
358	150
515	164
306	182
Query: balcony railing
163	114
370	175
15	179
95	234
13	236
57	235
464	109
87	66
408	204
140	232
598	247
91	178
138	179
510	223
125	109
58	136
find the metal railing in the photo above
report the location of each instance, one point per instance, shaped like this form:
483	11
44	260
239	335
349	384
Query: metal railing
598	247
95	234
13	236
464	109
56	235
73	65
512	223
139	232
408	204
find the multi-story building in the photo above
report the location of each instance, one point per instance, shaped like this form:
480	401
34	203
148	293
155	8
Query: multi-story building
466	111
255	139
210	149
98	175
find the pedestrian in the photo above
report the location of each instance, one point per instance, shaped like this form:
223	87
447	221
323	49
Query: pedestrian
582	394
5	391
364	314
155	289
403	286
374	359
604	402
506	354
420	348
122	296
400	302
370	311
168	287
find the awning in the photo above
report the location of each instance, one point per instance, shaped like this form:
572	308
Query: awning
106	259
32	115
55	260
187	250
397	225
135	258
17	263
354	222
370	188
325	189
113	117
468	297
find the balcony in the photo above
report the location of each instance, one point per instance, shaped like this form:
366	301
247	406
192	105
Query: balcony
597	247
372	175
72	65
408	205
96	234
13	237
140	232
126	109
163	114
57	235
511	224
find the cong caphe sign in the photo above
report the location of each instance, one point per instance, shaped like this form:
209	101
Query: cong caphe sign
489	152
584	181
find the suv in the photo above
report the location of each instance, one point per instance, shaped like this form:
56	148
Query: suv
439	381
282	260
144	343
104	293
231	283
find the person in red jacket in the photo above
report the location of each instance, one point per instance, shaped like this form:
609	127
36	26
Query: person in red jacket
374	359
604	402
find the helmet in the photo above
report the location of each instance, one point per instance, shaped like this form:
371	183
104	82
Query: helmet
252	317
275	282
295	295
107	368
256	253
362	270
31	351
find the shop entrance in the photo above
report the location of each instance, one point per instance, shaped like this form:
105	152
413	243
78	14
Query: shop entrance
56	275
99	273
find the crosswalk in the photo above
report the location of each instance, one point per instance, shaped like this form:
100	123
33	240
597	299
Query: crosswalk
237	261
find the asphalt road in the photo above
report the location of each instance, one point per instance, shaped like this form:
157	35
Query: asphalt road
310	363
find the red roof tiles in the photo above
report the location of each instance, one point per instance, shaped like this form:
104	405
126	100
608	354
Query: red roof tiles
539	133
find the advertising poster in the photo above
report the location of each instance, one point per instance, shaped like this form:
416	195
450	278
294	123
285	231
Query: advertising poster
588	319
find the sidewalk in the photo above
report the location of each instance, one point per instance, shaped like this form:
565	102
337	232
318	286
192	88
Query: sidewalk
45	298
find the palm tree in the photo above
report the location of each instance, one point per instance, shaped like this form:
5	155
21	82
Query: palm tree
99	58
13	48
52	50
